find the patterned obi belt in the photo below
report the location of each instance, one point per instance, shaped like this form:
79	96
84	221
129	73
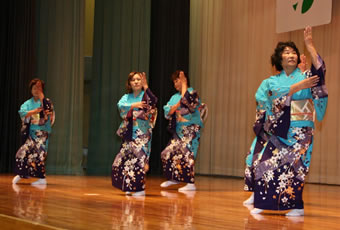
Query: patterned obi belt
302	110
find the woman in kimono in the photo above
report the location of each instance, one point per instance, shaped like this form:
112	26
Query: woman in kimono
37	116
138	111
279	157
185	124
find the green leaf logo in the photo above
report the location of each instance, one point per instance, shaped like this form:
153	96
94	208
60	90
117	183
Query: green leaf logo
306	5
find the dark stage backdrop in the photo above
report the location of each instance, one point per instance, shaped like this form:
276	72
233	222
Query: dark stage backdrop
156	42
128	37
169	51
17	66
121	45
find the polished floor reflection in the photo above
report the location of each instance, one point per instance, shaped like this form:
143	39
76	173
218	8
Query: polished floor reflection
79	202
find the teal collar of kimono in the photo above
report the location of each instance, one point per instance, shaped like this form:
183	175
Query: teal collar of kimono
297	70
35	101
139	95
190	89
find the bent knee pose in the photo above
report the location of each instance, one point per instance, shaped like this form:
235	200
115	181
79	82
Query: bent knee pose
37	116
280	155
139	112
185	123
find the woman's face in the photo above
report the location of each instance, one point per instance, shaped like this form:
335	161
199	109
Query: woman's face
289	58
36	90
136	82
178	84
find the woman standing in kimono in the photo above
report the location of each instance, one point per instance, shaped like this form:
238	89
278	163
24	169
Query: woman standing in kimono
185	124
37	116
280	155
139	112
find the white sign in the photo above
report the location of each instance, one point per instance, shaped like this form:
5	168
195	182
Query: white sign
297	14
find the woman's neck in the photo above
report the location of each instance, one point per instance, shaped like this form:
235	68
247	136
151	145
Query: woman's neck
136	93
289	70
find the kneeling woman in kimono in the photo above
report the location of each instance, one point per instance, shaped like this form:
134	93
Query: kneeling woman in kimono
37	116
139	112
185	124
280	155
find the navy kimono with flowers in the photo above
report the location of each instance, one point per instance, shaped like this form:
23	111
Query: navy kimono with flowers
280	155
131	163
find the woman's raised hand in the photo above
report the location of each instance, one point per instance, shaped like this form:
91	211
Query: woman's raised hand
303	64
144	81
184	82
307	33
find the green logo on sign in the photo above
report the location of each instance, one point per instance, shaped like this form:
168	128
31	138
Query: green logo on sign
306	5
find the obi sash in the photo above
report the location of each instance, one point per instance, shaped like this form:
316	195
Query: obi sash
302	110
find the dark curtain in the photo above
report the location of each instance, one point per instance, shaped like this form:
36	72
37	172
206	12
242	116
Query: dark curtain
17	66
121	45
60	36
169	51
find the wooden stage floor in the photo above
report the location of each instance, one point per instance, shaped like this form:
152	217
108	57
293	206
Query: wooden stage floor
84	202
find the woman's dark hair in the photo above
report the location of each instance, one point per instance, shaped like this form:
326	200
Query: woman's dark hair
175	75
276	57
128	86
34	82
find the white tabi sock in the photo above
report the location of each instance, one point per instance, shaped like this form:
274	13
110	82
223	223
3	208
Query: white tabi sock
250	200
41	181
16	179
256	211
296	212
188	187
168	183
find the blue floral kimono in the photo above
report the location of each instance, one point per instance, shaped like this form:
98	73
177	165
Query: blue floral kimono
131	163
280	154
31	156
185	125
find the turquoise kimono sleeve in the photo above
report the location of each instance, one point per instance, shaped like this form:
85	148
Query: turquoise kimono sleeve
262	106
124	106
24	109
320	106
261	96
173	101
274	104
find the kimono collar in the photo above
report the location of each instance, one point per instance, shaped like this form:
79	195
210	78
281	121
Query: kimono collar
296	71
139	95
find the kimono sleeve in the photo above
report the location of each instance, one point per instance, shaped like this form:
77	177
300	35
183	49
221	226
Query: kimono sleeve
48	106
150	98
150	110
24	109
173	101
124	106
190	100
261	108
274	100
319	92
